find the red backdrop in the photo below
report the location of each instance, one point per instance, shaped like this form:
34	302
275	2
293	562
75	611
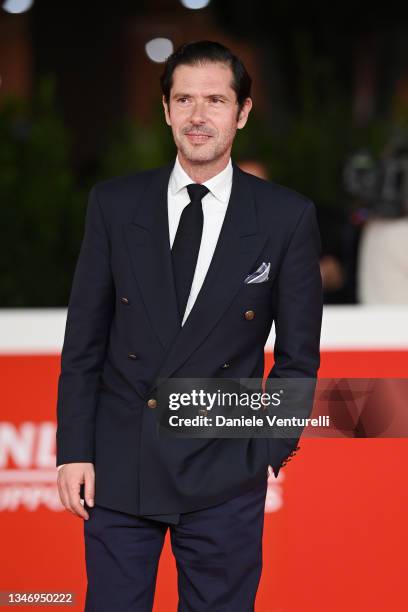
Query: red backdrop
335	526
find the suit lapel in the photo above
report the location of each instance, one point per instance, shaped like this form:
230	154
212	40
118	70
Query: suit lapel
148	242
238	246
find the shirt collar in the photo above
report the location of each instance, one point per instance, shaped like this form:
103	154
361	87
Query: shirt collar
219	185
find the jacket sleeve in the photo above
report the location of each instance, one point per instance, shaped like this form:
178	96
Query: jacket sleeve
90	311
298	304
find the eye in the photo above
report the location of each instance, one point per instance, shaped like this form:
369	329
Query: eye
215	100
183	99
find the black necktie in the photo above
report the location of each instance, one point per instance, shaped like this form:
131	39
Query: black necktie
187	244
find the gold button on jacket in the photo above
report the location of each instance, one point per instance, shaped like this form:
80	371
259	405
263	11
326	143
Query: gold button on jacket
249	315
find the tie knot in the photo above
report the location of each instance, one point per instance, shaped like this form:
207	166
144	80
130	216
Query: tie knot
197	191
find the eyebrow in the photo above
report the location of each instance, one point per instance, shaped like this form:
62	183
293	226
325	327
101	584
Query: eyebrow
213	95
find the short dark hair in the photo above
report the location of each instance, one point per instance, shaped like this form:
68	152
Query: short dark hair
205	51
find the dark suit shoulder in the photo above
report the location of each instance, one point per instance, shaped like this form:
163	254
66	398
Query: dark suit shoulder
120	185
119	195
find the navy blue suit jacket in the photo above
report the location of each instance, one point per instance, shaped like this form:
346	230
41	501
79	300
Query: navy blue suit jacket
123	333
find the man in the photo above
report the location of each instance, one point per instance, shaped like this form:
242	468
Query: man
159	292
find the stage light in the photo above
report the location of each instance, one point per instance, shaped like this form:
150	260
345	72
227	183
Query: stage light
158	49
17	6
195	4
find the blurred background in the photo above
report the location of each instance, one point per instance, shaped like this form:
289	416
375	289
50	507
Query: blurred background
80	102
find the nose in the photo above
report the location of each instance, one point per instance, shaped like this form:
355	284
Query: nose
198	113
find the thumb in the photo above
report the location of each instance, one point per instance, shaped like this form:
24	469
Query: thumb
89	487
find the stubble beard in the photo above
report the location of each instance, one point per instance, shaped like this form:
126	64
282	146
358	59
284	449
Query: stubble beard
206	153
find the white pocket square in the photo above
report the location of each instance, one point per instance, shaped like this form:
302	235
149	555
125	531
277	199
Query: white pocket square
260	275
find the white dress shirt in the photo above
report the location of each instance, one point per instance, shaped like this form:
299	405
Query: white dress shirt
214	204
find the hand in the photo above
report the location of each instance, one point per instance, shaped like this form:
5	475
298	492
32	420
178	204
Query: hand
70	478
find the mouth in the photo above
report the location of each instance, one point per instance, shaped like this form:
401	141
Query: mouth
197	138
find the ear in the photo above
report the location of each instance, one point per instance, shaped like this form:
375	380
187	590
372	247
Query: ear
243	115
166	111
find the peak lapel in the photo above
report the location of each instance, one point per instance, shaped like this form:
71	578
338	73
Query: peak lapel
147	238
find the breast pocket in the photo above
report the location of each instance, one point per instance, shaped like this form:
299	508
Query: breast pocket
257	289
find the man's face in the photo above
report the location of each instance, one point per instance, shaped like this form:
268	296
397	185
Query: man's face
203	111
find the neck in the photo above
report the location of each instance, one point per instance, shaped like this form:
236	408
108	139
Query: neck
203	171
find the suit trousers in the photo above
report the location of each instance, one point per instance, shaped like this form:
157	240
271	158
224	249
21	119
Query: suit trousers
218	553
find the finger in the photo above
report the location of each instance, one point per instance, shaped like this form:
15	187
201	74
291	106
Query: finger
63	492
74	500
67	499
77	508
89	487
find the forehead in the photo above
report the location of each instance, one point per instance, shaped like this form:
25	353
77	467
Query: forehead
207	78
